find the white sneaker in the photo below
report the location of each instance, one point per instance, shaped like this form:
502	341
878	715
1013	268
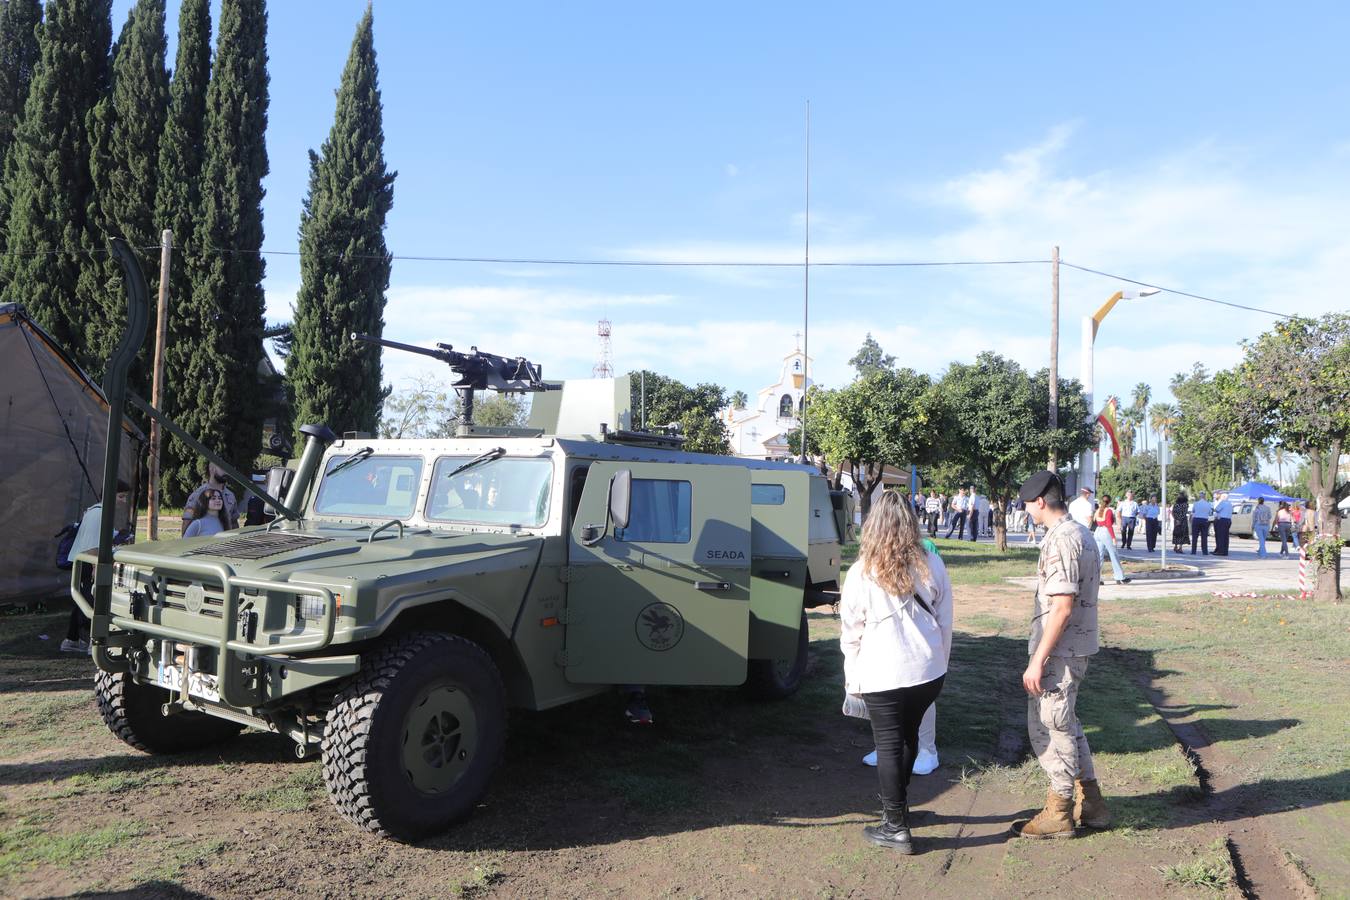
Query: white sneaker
870	759
925	762
69	646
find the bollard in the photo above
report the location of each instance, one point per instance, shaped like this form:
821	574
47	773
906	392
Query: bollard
1303	592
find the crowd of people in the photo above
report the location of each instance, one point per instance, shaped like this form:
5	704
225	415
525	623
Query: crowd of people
1115	524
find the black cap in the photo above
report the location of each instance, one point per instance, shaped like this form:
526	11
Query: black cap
1038	484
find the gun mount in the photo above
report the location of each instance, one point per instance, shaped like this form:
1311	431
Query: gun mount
477	371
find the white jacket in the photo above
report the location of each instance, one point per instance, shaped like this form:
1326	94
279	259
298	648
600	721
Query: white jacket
892	642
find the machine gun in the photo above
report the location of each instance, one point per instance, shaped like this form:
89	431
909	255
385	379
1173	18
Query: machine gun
477	371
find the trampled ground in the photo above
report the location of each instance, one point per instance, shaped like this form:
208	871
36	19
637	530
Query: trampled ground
1220	728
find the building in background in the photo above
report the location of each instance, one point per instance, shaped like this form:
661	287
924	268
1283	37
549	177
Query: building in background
761	429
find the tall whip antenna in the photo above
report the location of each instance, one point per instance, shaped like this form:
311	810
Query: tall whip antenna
806	284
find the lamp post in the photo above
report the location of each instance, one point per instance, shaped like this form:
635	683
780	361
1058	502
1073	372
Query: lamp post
1087	470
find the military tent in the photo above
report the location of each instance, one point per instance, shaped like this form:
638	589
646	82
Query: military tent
52	439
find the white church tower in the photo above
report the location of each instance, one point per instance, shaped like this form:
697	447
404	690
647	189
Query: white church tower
760	430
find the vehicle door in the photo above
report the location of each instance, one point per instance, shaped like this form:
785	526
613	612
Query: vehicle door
666	599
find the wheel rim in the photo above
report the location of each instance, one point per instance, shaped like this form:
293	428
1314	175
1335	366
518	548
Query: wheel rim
440	739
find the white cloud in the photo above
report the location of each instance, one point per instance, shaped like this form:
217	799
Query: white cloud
732	170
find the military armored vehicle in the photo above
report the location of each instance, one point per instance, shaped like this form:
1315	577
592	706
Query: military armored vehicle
411	591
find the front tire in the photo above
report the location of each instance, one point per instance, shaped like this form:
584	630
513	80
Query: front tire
133	712
412	742
775	679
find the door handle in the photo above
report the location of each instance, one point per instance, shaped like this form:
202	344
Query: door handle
776	573
713	585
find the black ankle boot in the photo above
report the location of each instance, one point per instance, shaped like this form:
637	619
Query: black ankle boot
893	832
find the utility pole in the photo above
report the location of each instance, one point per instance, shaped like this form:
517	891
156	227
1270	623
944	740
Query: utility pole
157	385
806	285
1054	353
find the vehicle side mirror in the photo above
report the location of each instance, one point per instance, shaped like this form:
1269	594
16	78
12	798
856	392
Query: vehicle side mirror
620	497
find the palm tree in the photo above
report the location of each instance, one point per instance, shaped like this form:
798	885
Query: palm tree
1141	394
1163	417
739	400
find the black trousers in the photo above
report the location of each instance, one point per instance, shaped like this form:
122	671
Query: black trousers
974	521
1200	532
933	523
895	719
958	524
1221	527
1151	530
1127	526
77	627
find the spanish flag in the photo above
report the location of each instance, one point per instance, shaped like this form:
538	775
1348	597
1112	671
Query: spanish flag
1109	422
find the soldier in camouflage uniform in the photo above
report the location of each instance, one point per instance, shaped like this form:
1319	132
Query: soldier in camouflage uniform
1063	636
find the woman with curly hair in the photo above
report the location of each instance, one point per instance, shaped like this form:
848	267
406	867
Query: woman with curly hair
895	616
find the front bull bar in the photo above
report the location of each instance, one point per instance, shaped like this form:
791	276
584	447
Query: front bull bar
232	681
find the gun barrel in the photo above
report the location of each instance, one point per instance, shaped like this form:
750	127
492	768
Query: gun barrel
442	355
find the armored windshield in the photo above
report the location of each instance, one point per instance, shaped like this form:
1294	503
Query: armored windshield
383	487
505	491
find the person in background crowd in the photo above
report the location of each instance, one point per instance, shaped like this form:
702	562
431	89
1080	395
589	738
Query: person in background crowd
932	508
1296	528
958	524
86	538
975	511
1223	522
1304	529
208	515
1284	526
215	479
1129	516
1261	518
1201	513
1082	508
1063	638
1149	511
1181	517
942	501
895	632
1105	535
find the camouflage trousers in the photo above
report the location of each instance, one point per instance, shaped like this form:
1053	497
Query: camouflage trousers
1052	724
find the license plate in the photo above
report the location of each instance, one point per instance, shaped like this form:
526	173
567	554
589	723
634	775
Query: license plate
199	683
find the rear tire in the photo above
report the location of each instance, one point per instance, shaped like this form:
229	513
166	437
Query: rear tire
132	711
775	679
412	742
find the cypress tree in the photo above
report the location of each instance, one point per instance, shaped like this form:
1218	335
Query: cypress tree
125	129
176	202
226	266
47	176
344	264
20	23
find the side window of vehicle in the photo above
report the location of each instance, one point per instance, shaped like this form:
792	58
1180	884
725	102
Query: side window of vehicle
660	512
576	484
768	494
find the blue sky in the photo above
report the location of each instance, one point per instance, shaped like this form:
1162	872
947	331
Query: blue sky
1199	146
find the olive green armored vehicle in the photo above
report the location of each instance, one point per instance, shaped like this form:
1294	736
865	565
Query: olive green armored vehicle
410	591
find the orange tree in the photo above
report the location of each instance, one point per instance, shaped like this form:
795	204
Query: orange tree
1291	392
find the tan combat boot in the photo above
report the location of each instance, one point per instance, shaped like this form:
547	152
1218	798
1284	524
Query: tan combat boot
1089	808
1055	821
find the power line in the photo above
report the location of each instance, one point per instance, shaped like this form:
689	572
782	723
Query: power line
1269	312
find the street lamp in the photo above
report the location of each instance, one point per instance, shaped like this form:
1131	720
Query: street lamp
1088	472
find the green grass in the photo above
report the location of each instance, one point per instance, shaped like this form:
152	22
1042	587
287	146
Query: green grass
1212	870
28	842
117	778
293	793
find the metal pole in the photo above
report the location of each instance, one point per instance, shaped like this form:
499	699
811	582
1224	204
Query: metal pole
1087	471
806	285
1164	513
157	385
642	390
1054	353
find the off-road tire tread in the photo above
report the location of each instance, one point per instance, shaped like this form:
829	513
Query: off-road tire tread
347	729
154	733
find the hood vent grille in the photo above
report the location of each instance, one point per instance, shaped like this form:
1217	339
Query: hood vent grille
258	546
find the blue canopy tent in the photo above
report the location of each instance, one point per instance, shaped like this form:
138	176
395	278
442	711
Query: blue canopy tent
1254	490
